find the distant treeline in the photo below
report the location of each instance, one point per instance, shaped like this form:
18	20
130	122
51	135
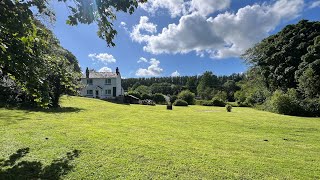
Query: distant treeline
191	82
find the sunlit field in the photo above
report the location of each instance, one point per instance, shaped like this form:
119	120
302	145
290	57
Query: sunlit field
94	139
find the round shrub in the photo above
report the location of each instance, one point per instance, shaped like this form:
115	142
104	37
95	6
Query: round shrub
180	102
187	96
145	96
218	102
159	98
228	108
284	103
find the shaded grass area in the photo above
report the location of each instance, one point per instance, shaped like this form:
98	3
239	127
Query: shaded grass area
141	142
11	169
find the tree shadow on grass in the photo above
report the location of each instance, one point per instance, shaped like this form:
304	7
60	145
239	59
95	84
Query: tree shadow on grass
11	169
50	110
55	110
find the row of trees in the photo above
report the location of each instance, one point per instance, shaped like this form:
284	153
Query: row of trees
205	86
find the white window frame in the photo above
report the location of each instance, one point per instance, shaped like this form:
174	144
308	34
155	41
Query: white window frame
107	92
88	92
106	81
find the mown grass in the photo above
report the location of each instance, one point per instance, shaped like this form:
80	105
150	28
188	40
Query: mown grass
93	139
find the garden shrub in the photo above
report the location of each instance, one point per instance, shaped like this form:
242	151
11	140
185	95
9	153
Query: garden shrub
187	96
228	108
243	104
159	98
284	103
311	107
180	102
218	102
198	102
207	103
145	96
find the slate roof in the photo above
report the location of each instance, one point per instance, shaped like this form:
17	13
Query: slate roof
94	74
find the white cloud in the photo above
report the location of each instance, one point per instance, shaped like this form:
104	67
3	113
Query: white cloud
123	23
174	7
105	69
226	35
143	25
192	33
102	57
314	4
175	74
152	70
142	59
177	8
206	7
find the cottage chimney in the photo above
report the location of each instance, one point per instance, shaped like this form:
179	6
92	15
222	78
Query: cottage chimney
117	71
87	73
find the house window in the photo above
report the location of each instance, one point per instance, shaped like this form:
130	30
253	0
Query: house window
89	81
108	81
108	92
89	92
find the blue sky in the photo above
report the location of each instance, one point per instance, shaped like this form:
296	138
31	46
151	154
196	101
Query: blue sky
182	37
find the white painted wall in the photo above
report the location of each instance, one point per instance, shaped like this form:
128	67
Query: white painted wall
115	82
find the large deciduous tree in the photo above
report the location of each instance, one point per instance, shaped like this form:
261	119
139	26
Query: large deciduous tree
289	61
34	68
280	55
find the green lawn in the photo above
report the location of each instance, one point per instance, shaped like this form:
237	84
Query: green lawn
93	139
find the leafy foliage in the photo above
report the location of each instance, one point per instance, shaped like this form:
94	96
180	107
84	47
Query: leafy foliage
228	108
285	76
207	82
218	102
33	66
280	55
159	98
187	96
180	102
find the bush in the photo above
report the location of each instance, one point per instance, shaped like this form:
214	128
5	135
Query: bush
187	96
228	107
207	103
311	107
218	102
284	103
173	98
180	102
221	95
159	98
199	102
243	104
145	96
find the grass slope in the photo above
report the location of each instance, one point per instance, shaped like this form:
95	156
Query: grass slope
93	139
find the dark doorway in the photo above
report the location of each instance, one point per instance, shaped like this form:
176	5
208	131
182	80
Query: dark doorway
97	93
114	91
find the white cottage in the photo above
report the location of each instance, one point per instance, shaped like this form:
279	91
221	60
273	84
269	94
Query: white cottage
103	85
